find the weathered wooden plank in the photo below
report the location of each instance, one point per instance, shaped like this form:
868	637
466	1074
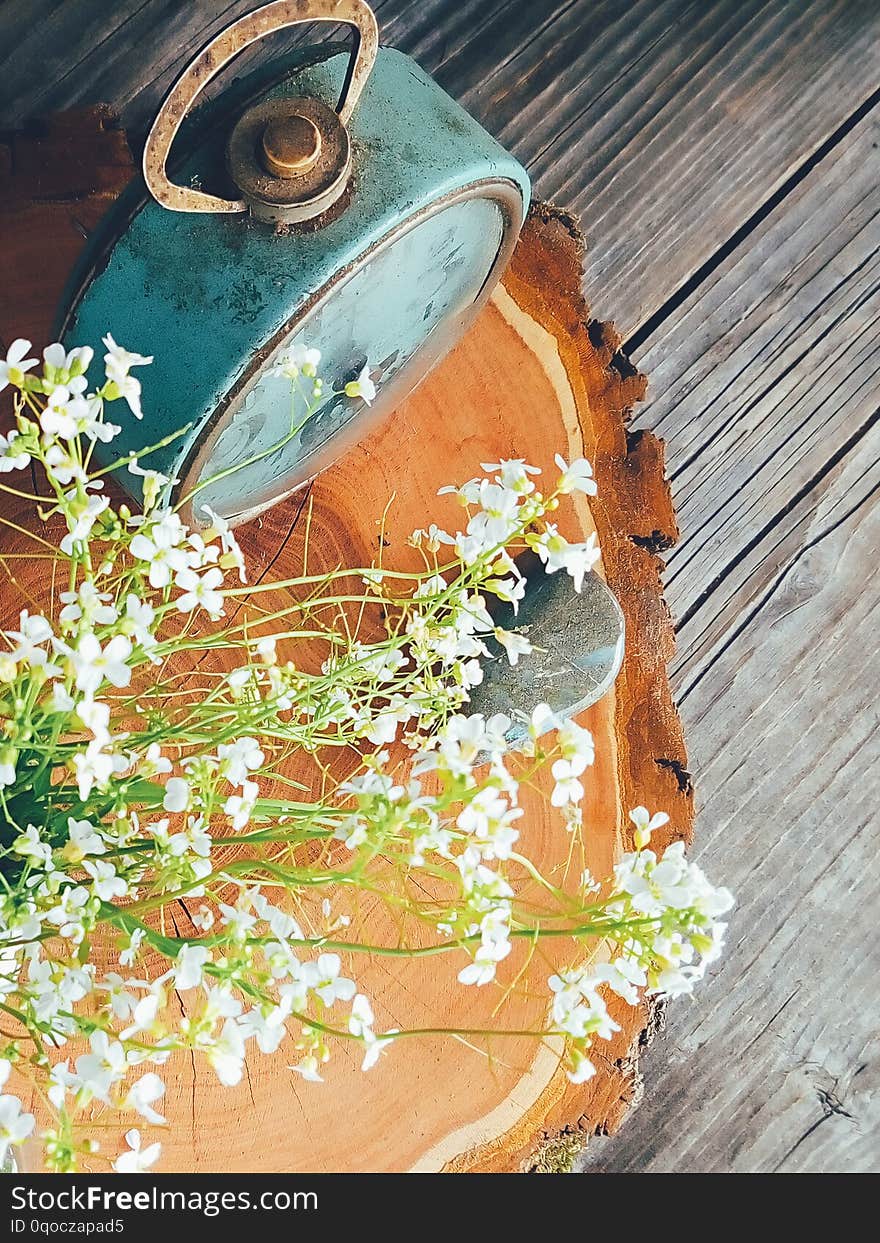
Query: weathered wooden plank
766	389
777	1066
657	121
130	55
666	158
762	379
667	125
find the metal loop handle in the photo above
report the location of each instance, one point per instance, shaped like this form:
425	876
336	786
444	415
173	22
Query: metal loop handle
218	53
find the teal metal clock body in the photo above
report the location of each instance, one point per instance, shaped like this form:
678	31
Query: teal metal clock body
372	229
388	277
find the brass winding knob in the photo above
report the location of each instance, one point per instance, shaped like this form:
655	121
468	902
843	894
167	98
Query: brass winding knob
291	159
290	145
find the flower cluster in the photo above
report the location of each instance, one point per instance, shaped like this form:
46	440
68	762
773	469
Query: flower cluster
664	919
127	787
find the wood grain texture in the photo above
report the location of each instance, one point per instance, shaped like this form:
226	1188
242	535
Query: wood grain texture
673	128
767	389
496	1110
763	379
656	121
776	1068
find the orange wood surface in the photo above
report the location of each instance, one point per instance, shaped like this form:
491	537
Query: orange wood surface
532	378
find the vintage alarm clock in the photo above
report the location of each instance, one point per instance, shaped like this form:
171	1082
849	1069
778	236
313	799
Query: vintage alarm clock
342	202
350	205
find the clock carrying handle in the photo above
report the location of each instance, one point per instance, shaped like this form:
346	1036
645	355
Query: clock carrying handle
217	54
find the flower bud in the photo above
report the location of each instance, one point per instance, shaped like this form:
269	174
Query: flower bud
641	837
153	482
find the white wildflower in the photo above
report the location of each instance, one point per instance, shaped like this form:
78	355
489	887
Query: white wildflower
12	458
513	473
154	482
576	744
646	824
497	519
138	621
240	806
68	914
361	1019
106	883
128	954
93	767
558	554
84	839
189	966
27	641
200	591
104	1067
94	665
117	363
203	919
582	1069
61	1081
575	478
89	604
308	1068
482	969
240	758
514	644
30	846
362	387
237	920
375	1047
62	365
178	795
297	358
160	547
433	538
624	975
142	1095
226	1054
467	494
137	1160
64	468
568	789
80	520
15	1126
119	999
57	418
265	649
267	1029
14	366
322	977
232	554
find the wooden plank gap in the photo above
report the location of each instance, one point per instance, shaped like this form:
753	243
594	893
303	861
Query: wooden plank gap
843	451
645	331
644	54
